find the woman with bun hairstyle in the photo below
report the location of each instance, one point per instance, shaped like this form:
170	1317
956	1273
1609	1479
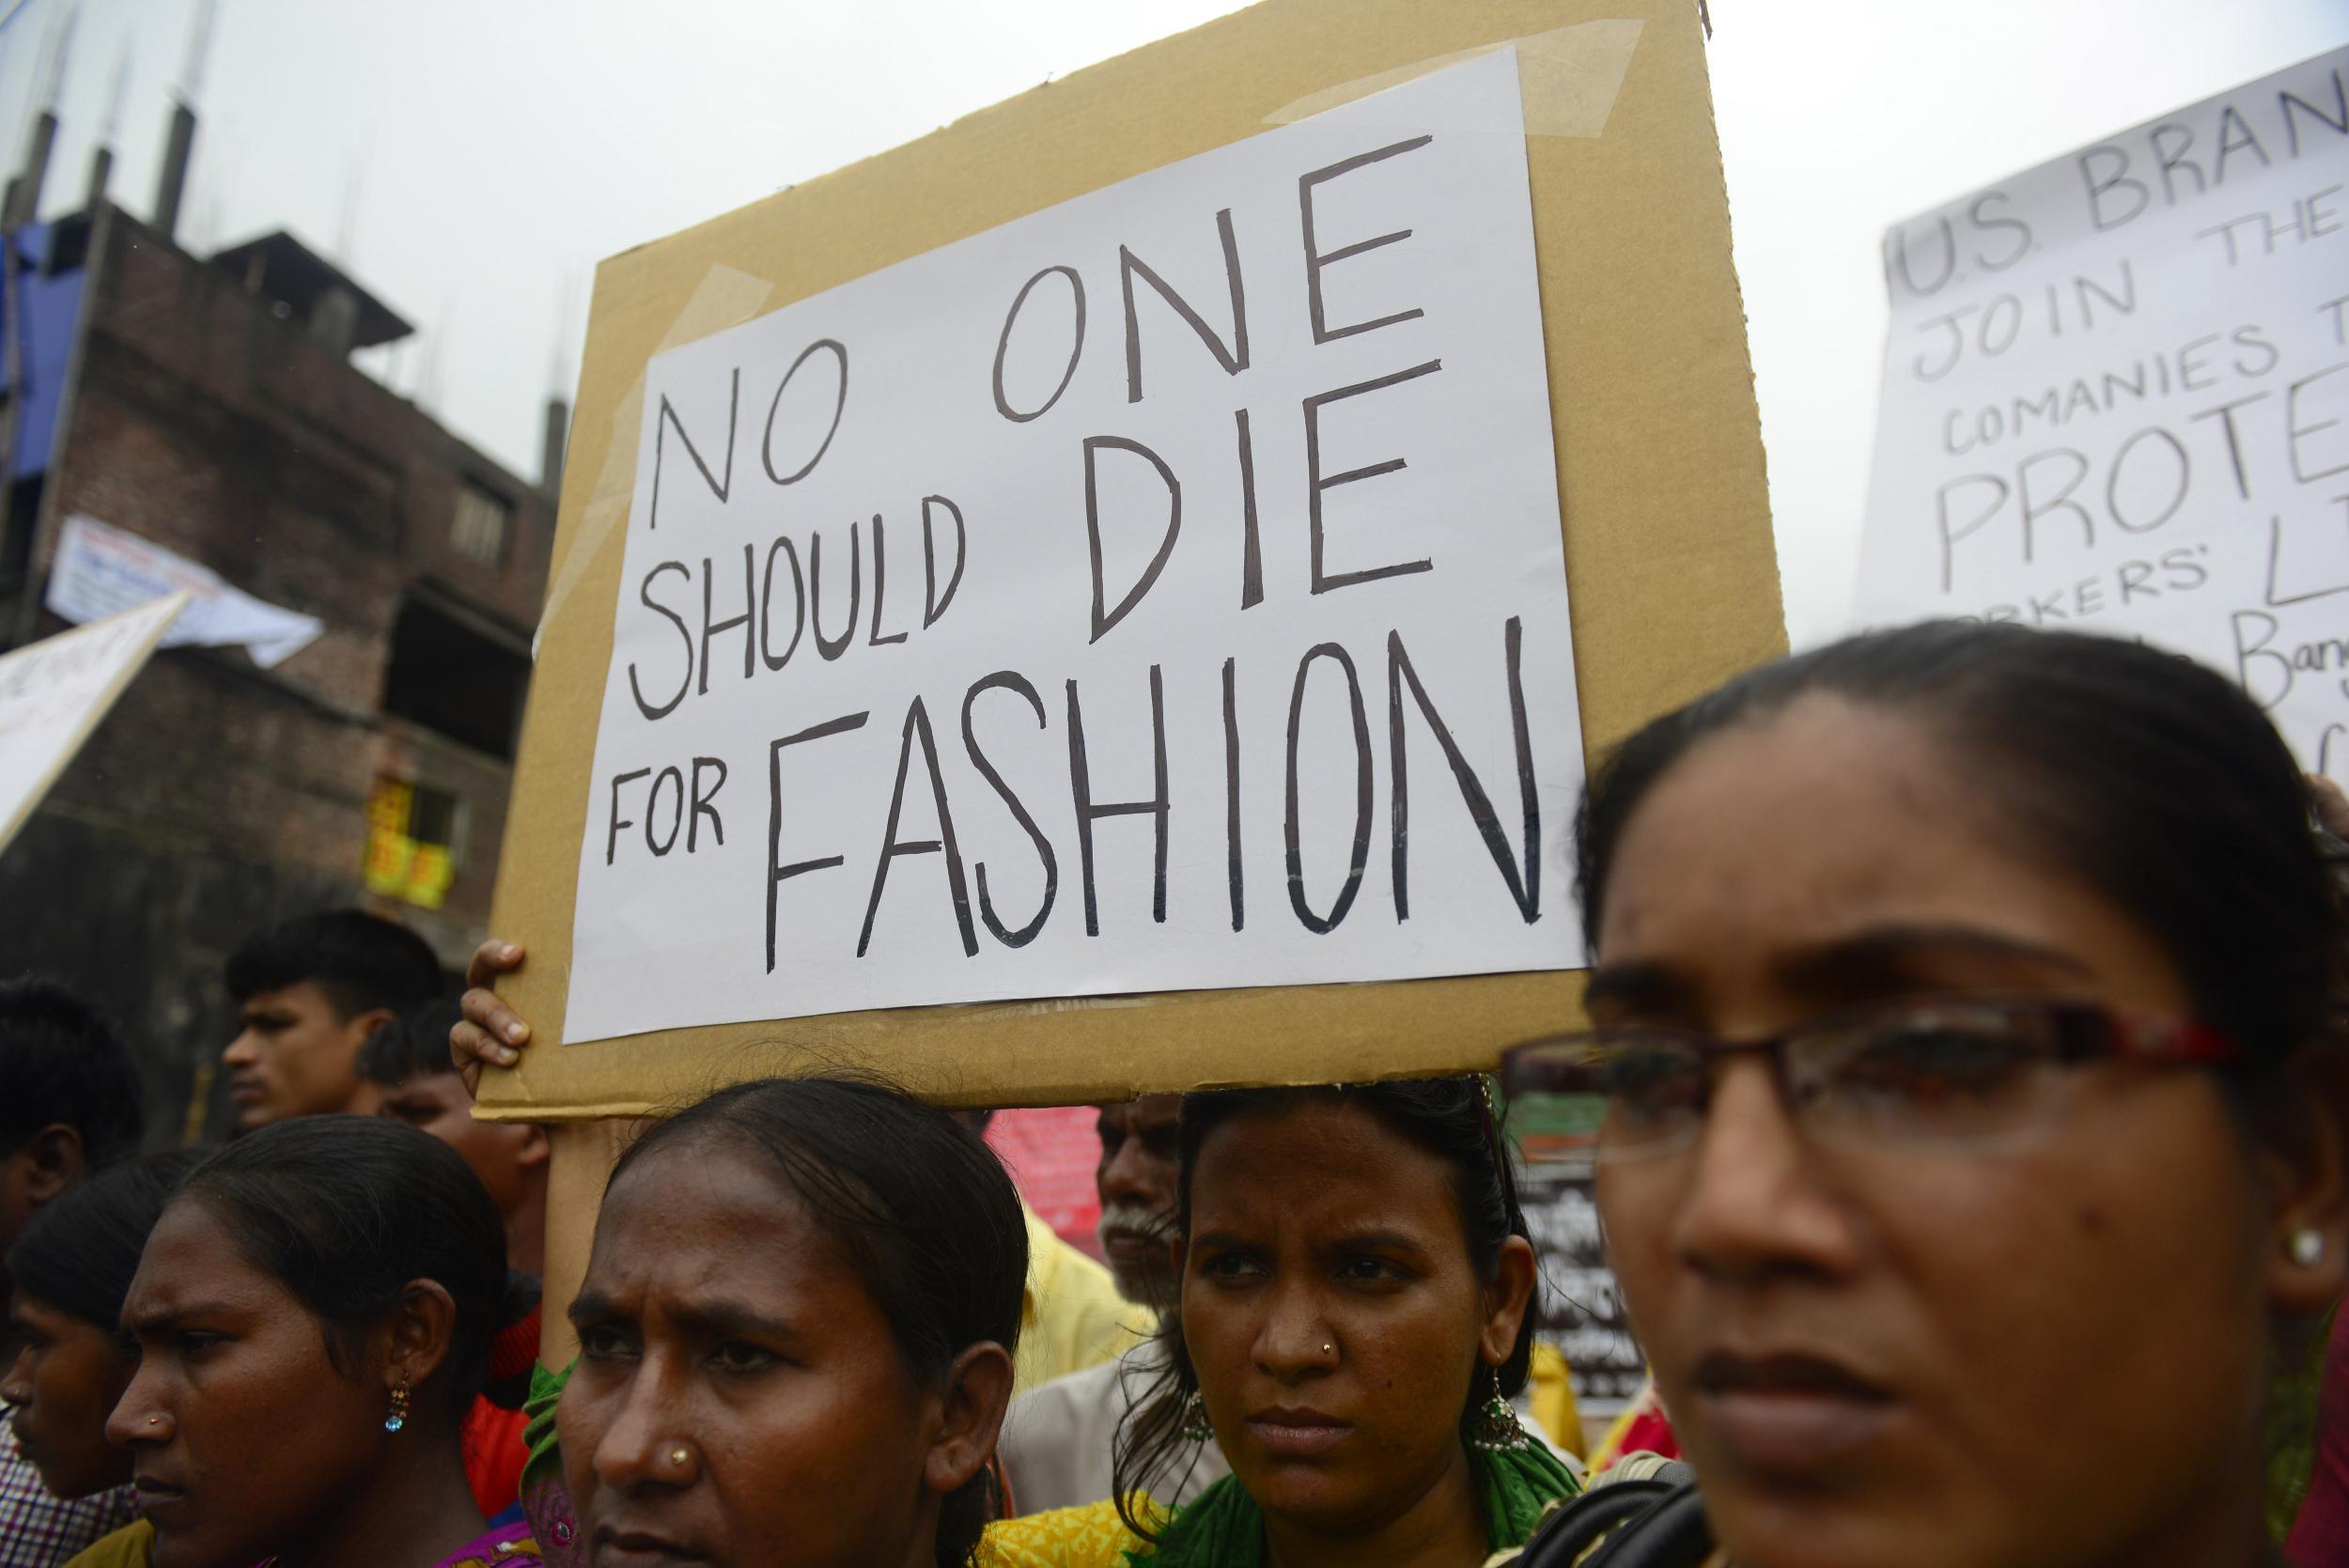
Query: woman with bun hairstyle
313	1313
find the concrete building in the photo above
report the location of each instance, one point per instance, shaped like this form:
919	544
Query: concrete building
207	405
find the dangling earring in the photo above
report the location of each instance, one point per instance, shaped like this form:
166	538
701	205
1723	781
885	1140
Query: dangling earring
1494	1428
398	1418
2308	1246
1196	1427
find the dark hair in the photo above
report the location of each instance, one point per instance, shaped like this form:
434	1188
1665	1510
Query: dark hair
359	961
414	1045
79	1252
917	1201
1449	1117
62	1060
2149	776
344	1211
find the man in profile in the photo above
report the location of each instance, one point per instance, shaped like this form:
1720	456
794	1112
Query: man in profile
311	992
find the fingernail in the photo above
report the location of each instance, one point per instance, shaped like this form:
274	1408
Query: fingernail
515	1031
509	949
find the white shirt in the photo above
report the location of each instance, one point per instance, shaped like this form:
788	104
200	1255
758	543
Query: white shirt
1056	1440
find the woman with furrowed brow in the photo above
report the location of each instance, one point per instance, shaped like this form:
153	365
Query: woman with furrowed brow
1356	1307
1970	1019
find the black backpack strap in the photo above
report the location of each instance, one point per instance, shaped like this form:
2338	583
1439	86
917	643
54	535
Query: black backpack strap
1644	1524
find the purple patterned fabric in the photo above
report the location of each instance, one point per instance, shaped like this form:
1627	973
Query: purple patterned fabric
507	1544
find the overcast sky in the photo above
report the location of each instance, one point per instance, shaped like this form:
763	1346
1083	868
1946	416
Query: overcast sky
468	161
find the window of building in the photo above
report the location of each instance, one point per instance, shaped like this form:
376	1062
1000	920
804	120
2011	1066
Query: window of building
458	673
480	525
412	841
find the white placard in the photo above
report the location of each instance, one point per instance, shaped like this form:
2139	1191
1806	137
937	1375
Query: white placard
102	570
2116	398
1048	615
53	693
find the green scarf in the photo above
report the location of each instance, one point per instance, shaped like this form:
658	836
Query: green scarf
1224	1528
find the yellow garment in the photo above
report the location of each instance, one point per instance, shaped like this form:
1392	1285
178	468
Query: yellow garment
1070	1317
131	1546
1551	1391
1089	1537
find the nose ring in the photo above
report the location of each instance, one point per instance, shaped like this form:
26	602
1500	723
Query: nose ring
154	1420
1329	1349
678	1455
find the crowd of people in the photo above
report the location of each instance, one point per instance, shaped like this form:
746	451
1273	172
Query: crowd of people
1970	1010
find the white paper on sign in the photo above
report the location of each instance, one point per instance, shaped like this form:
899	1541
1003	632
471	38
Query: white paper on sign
101	570
53	693
2116	398
1161	591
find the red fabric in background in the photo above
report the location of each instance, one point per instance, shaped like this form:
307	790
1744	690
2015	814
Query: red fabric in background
1053	1154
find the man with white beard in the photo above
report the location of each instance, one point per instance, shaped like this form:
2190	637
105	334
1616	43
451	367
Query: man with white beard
1056	1442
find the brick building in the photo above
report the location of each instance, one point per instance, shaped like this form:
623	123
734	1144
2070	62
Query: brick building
209	406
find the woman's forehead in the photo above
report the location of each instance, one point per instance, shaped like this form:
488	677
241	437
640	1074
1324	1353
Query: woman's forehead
1782	846
1320	1150
192	1256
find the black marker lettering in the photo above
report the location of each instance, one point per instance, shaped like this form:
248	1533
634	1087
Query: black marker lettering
652	809
880	587
1231	793
612	837
933	602
1316	484
767	605
1234	359
1103	621
1251	553
839	406
718	487
1315	259
704	804
685	682
1076	343
1525	888
777	873
1009	680
1088	811
1324	925
832	647
711	627
918	727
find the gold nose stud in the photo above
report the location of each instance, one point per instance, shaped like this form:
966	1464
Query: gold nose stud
677	1456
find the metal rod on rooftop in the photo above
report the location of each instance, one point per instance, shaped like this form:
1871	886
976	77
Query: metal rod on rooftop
40	138
101	158
171	184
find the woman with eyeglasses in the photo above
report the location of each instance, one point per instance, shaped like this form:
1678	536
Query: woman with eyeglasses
1967	1009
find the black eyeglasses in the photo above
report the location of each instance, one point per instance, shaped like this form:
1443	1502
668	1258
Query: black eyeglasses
1962	1071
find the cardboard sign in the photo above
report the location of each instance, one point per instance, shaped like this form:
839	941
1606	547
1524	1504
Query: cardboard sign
2116	398
975	645
1654	489
53	693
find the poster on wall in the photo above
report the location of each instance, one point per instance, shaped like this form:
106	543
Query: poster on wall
2116	398
1161	591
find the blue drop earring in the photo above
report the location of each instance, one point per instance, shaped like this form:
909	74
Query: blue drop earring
398	1418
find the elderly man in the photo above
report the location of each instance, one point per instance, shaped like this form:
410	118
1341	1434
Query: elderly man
1055	1446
